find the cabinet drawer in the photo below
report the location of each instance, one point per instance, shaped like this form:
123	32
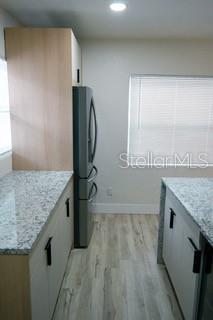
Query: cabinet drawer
171	243
61	246
68	193
189	224
188	280
39	276
167	237
65	208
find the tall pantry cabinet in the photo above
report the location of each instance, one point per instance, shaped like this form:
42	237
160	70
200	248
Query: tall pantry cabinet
43	65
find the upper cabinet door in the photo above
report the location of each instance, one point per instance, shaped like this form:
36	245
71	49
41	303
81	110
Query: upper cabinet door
76	62
40	82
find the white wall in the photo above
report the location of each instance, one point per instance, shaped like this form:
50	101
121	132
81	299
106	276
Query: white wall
5	21
107	66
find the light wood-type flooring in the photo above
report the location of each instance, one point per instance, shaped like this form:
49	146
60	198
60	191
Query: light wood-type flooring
117	277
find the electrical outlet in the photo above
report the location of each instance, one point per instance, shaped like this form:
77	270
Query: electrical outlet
109	192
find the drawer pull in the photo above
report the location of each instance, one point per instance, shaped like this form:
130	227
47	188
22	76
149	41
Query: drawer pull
172	215
49	252
197	257
68	207
78	75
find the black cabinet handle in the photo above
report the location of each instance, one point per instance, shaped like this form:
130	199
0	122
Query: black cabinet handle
78	75
172	215
197	257
68	206
49	252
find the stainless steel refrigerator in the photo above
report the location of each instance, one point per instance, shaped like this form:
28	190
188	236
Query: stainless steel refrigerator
85	142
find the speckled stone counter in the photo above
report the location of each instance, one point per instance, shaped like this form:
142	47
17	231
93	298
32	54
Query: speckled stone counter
196	196
27	199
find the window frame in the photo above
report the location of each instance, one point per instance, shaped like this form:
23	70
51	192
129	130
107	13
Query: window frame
148	164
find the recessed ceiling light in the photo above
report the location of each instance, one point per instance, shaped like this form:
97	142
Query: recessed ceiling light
118	6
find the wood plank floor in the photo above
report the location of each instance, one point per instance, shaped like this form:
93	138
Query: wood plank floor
117	277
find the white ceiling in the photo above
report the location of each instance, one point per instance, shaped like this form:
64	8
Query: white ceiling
142	19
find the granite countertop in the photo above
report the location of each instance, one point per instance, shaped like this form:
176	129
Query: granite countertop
27	199
196	195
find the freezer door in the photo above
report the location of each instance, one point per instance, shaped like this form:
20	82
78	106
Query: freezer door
86	218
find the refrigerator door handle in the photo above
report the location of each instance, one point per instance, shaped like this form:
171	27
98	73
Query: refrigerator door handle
90	134
96	130
91	195
91	178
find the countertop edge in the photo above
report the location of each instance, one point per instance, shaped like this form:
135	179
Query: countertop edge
28	251
209	240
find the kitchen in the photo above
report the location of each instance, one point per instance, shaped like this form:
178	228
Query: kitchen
127	202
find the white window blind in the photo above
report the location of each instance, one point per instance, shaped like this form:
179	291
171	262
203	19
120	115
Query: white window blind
5	131
171	115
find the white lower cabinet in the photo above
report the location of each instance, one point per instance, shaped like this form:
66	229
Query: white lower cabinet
181	254
49	259
60	247
32	282
39	281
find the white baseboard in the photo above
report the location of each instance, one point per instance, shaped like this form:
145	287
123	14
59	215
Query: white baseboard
118	208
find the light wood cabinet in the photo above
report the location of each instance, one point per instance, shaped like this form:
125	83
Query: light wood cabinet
32	283
76	62
42	68
181	254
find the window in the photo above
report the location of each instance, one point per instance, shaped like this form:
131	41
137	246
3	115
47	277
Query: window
171	119
5	133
